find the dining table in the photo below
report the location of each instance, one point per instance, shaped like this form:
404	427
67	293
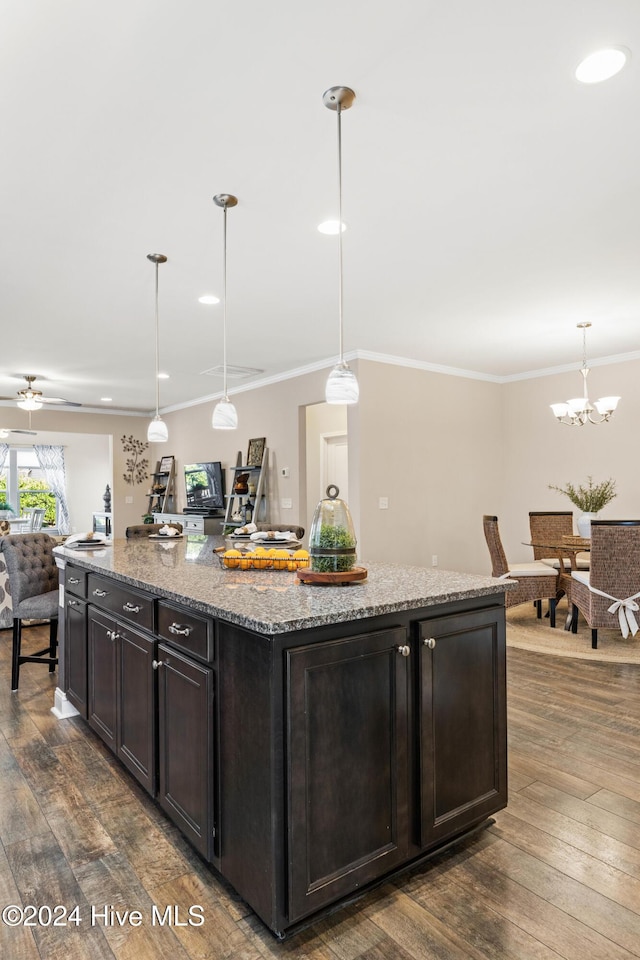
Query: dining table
565	548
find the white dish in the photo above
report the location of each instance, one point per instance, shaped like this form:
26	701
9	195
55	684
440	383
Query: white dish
165	536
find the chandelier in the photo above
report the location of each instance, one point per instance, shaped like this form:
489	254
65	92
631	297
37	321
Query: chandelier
576	412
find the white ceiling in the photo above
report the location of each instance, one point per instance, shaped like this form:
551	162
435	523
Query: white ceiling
492	201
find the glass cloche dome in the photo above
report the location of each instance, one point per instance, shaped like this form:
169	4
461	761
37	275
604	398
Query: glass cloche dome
332	541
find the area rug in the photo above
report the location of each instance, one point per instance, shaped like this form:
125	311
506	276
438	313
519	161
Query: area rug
526	632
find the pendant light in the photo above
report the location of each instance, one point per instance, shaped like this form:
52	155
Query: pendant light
224	413
157	431
342	385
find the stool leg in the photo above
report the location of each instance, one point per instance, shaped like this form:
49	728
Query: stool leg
552	611
53	643
15	654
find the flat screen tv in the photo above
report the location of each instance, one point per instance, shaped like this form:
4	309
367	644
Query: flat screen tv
204	484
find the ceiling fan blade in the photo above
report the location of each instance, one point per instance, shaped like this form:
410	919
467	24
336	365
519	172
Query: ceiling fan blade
67	403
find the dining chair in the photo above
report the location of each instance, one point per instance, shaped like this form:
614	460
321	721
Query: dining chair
536	580
608	594
33	586
551	526
139	530
35	516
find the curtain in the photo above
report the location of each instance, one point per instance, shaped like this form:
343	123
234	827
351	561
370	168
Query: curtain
51	460
4	450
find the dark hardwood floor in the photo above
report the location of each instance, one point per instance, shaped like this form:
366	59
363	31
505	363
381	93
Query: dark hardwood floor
557	875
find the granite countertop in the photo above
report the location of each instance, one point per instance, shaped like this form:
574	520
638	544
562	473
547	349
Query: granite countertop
188	572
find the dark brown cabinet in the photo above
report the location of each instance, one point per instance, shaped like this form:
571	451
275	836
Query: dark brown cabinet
75	653
304	765
186	745
461	721
347	765
121	693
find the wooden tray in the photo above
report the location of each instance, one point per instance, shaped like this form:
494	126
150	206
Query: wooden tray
307	575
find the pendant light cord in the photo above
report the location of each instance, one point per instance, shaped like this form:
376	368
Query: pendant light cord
157	349
339	113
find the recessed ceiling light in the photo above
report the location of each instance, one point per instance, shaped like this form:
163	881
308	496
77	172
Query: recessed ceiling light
602	64
106	399
209	298
163	376
330	227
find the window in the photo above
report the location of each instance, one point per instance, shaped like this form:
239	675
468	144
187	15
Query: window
23	482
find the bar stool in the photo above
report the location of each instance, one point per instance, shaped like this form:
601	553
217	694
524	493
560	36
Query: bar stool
33	585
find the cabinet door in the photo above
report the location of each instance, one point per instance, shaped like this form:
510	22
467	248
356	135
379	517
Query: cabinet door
185	754
137	705
75	654
347	766
462	703
102	674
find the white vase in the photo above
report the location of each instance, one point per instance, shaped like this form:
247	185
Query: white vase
584	524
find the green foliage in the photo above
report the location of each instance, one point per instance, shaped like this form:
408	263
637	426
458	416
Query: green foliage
33	493
333	538
592	498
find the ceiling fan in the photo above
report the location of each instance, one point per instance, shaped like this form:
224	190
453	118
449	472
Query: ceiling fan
32	399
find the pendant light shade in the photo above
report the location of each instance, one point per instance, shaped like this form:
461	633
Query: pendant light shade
224	413
157	431
224	416
342	385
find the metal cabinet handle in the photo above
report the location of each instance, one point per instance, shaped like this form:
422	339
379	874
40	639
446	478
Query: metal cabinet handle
130	608
100	593
429	642
179	630
112	634
73	580
404	650
72	603
156	664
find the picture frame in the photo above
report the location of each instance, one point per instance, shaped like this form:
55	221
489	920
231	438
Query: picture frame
255	451
166	464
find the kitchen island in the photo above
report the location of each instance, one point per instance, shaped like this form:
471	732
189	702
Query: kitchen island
309	741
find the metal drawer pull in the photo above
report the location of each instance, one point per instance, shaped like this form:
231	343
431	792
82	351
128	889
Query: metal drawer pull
404	650
156	664
100	593
73	580
179	630
130	608
429	642
72	603
112	634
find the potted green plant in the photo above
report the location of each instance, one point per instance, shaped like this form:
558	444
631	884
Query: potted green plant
590	499
6	510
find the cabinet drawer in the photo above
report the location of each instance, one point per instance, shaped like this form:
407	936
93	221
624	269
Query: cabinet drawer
193	524
187	631
125	602
75	581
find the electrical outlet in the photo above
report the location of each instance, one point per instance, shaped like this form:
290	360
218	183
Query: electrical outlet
434	560
383	503
286	503
284	472
128	499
